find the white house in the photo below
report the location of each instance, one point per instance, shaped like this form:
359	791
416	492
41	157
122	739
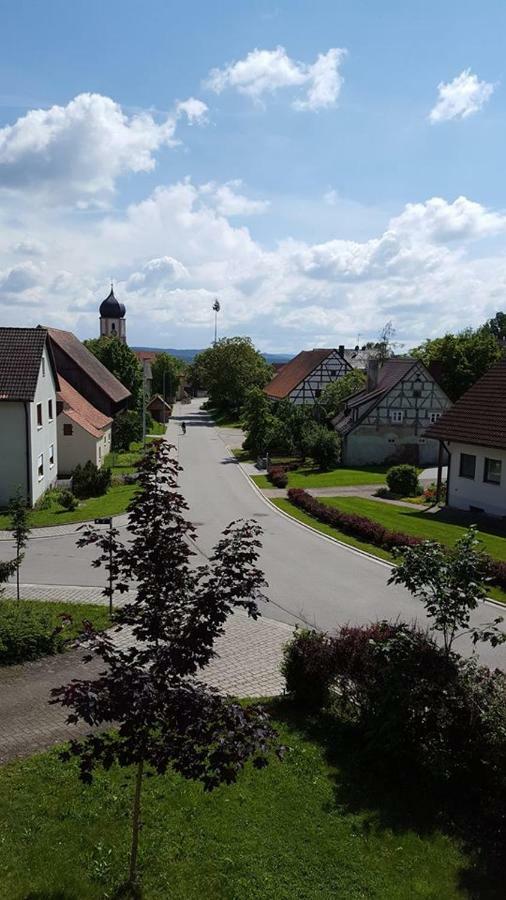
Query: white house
303	379
474	433
28	439
84	433
386	420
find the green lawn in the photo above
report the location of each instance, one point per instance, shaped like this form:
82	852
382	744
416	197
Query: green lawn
114	502
341	477
78	612
440	526
299	514
224	420
317	826
156	429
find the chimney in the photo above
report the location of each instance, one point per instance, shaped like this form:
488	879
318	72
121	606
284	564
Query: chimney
341	351
372	373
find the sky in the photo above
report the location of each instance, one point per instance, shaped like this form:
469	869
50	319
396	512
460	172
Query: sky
320	167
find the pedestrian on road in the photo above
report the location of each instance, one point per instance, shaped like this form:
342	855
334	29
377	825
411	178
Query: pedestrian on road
183	427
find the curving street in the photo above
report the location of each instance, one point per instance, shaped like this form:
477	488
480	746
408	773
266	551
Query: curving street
311	578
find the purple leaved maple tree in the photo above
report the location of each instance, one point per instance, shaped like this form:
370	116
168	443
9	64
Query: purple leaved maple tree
158	713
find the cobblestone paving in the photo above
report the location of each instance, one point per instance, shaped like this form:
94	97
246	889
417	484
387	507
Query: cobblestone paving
249	654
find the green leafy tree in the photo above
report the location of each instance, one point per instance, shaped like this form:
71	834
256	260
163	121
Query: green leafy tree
335	393
497	326
228	370
126	427
450	584
258	419
20	527
166	370
122	362
459	359
326	448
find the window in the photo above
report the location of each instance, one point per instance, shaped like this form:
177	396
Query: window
43	367
68	430
40	466
434	416
51	456
50	410
317	392
100	453
467	465
39	415
333	373
492	472
396	415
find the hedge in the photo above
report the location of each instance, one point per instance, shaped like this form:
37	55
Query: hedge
367	530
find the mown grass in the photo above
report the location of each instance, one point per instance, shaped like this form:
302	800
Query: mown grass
315	826
17	618
114	502
494	592
310	477
439	526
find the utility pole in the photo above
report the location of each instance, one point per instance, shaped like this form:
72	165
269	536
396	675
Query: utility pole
216	308
146	379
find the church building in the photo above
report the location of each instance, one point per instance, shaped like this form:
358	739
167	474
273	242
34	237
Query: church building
112	318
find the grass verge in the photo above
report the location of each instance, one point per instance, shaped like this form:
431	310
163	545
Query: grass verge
494	592
114	502
27	627
310	477
315	826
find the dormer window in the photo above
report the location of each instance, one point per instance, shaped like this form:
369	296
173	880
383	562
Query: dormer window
396	416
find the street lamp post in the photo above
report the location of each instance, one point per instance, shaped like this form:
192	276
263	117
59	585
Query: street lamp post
216	308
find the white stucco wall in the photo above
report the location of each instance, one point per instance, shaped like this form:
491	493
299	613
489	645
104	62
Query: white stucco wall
42	437
466	492
13	471
80	446
366	446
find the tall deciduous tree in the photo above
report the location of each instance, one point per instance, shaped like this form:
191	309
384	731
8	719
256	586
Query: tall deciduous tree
165	371
459	359
497	326
20	526
122	362
334	394
228	370
164	717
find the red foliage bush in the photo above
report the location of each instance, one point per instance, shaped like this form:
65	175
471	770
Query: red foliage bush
366	530
278	477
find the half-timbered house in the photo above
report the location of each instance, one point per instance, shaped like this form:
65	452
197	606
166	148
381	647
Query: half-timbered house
303	379
385	421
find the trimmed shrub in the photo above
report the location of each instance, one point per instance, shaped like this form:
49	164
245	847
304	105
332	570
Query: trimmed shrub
308	668
325	448
278	477
68	500
90	481
27	633
403	480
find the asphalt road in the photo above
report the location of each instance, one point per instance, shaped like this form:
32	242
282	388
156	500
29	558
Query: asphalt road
311	579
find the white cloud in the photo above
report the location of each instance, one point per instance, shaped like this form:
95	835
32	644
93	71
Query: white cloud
437	220
79	150
157	272
195	110
19	278
228	202
266	71
331	197
460	98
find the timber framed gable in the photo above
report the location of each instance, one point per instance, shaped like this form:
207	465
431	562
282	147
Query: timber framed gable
308	391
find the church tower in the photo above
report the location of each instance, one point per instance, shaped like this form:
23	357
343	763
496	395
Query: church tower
112	318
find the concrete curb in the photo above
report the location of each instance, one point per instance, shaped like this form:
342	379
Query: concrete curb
54	531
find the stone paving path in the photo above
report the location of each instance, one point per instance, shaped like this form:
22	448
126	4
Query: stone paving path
247	665
52	531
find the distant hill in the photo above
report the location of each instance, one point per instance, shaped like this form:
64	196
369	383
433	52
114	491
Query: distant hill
188	355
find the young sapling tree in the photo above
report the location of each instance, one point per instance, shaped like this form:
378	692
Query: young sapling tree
163	716
20	526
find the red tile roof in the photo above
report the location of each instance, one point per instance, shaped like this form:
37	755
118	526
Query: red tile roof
77	408
294	372
20	361
479	417
85	360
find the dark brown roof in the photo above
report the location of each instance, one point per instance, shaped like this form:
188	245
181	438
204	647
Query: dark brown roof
294	372
77	408
85	360
157	402
479	417
20	360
